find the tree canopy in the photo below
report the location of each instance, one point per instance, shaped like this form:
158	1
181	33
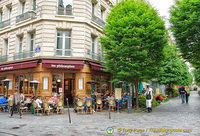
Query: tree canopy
196	73
134	39
185	20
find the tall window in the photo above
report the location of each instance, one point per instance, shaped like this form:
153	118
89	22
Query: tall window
63	47
102	12
32	42
93	8
22	7
1	13
5	48
9	11
20	44
94	48
34	5
65	7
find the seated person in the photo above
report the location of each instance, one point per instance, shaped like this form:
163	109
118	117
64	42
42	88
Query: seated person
3	101
23	99
158	98
53	102
39	102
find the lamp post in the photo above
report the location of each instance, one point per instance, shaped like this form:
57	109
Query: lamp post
92	82
6	82
35	84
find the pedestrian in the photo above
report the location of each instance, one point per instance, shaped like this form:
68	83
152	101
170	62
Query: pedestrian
182	94
149	98
179	92
187	94
16	103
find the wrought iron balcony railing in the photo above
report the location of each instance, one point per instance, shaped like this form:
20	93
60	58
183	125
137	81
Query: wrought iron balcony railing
4	23
26	15
64	11
22	55
98	20
61	52
4	58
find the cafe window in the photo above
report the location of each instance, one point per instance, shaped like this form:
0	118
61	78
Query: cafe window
16	82
56	83
45	83
1	85
10	85
80	83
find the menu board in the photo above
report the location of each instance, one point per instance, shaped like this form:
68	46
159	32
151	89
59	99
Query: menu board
118	93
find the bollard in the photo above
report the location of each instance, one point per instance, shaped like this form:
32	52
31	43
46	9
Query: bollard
68	111
109	112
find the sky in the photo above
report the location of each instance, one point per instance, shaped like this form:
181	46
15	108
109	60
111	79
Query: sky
163	8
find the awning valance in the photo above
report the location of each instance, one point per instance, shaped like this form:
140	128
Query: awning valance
20	65
96	66
62	64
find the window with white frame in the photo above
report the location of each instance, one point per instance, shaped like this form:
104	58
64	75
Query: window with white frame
32	41
102	12
65	7
20	44
23	7
1	13
93	8
80	83
5	48
33	4
45	83
63	46
9	9
93	48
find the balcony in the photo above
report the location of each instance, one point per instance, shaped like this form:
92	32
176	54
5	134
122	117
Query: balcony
21	55
61	52
4	23
98	20
94	56
64	11
25	16
3	58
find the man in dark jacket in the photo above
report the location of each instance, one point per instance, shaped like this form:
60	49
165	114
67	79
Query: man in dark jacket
16	102
182	93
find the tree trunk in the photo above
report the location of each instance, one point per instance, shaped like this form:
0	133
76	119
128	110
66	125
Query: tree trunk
136	93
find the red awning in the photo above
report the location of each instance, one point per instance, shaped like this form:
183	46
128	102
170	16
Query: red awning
62	64
21	65
95	66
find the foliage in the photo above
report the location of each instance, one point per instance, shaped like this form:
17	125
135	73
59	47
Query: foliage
172	92
173	69
154	102
196	73
164	97
185	27
195	89
134	39
199	93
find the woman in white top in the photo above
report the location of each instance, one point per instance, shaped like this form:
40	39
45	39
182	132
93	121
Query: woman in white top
149	98
39	102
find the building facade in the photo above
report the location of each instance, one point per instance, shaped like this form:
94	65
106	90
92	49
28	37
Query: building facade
55	42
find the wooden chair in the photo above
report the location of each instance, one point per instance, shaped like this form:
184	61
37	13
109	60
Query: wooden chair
99	104
46	108
10	104
23	108
88	105
60	108
80	107
111	104
36	108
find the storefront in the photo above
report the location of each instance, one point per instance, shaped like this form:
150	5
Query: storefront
66	78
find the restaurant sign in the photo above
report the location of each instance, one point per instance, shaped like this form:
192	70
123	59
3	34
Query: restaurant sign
63	66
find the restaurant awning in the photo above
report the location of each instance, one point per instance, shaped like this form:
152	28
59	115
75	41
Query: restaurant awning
95	66
20	65
62	64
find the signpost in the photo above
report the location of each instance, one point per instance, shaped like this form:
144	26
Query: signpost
68	111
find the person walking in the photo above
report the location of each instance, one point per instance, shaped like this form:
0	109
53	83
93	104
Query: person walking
187	94
149	98
16	102
182	94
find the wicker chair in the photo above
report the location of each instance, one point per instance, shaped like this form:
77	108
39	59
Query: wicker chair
111	104
36	108
46	108
60	108
80	107
99	105
10	104
23	108
88	105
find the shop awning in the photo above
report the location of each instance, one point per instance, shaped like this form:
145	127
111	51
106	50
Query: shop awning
95	66
20	65
62	64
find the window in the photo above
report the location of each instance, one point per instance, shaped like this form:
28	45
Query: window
93	9
65	7
63	47
22	7
80	83
32	42
20	44
34	5
102	12
5	48
94	48
1	13
45	83
10	85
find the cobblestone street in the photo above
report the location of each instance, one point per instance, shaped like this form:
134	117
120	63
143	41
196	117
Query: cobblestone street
170	115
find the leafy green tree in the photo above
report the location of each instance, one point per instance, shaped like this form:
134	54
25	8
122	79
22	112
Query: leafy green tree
185	20
134	40
196	73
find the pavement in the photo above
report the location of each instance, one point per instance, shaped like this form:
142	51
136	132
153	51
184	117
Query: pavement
168	119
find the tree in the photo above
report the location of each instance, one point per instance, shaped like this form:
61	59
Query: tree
174	70
134	39
196	73
185	20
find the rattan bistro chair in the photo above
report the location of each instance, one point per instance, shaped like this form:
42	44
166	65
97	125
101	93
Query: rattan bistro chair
47	109
99	104
36	108
10	104
111	104
88	105
60	108
80	107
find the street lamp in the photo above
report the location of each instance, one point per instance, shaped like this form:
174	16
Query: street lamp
92	82
6	82
35	84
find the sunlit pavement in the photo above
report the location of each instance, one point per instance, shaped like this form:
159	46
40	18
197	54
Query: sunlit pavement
170	116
